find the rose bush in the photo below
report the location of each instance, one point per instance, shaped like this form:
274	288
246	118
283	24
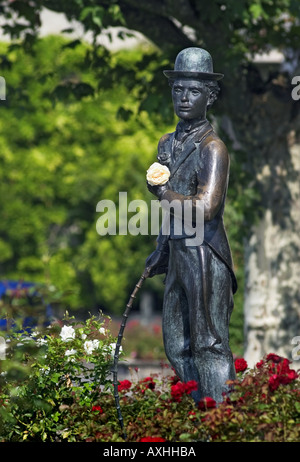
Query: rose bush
46	371
56	386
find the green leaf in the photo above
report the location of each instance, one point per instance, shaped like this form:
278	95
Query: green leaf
185	437
55	377
124	114
72	44
256	10
297	406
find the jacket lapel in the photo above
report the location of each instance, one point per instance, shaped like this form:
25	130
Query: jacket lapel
165	152
190	146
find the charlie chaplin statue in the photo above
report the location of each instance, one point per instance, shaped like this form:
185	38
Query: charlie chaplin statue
200	281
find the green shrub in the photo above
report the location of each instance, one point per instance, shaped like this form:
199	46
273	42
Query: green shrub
47	372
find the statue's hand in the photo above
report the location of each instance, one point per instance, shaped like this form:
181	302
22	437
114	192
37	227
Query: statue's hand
157	190
157	262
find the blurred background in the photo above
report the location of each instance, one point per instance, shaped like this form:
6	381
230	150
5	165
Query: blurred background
84	108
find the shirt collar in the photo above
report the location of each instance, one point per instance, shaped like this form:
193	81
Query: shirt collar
186	127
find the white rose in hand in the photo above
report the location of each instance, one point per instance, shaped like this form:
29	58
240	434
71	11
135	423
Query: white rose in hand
157	174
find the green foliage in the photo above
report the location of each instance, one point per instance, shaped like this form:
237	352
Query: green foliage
55	387
57	161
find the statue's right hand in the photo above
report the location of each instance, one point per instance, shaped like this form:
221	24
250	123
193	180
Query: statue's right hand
157	263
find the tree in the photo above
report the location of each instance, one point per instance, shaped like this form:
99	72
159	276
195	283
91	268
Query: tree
256	104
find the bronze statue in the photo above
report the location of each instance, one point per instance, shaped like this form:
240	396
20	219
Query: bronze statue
200	281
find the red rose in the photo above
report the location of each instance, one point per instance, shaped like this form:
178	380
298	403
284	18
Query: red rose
274	382
190	386
206	403
283	367
124	385
149	383
177	391
174	379
151	439
288	377
97	409
240	365
292	375
260	364
273	357
180	388
280	372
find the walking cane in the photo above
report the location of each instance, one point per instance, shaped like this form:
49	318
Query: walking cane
119	340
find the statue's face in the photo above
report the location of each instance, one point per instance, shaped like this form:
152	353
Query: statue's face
190	99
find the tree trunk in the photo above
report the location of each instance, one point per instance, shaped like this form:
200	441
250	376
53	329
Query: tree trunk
272	269
270	134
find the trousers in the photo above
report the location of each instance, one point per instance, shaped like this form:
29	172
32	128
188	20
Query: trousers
197	306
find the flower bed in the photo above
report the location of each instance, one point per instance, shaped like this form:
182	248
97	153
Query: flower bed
55	386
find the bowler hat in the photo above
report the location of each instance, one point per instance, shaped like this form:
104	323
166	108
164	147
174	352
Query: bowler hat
193	63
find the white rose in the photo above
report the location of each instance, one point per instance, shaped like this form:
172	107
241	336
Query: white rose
112	348
157	174
41	341
96	344
70	353
90	345
67	333
45	370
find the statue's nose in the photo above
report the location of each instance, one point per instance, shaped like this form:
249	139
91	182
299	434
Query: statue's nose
184	96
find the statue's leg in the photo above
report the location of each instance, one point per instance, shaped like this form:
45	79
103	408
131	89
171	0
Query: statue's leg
213	301
175	322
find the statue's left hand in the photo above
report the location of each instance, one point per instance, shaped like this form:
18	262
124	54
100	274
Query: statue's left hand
157	262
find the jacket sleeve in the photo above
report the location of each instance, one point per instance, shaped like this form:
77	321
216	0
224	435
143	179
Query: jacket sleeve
212	179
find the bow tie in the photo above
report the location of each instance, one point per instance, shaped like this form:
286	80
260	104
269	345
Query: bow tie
185	128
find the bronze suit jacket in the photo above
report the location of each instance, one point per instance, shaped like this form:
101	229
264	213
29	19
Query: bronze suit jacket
199	166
